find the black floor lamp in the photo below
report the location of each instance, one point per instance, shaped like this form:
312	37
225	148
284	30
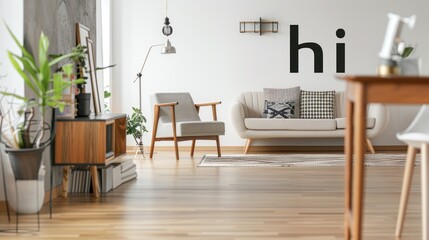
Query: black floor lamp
167	30
166	49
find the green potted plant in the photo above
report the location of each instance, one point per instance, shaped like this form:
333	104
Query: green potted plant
83	98
25	151
136	127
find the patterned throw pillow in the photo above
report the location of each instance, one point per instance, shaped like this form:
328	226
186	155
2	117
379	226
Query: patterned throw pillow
317	104
280	109
282	95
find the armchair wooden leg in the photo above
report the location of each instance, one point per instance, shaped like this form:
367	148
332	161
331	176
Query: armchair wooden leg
247	147
193	147
173	125
154	130
406	187
152	147
176	148
369	146
218	147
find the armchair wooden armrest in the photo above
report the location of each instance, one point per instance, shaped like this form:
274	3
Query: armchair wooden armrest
169	104
172	111
212	104
156	122
207	104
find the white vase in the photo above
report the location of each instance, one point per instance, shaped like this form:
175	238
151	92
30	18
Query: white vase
411	66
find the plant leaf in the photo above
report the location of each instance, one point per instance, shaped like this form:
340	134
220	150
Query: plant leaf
407	52
63	57
24	76
107	94
14	95
68	69
23	50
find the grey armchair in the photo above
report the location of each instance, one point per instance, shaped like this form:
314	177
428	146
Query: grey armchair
176	119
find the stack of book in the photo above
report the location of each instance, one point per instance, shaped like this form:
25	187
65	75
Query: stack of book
109	177
128	171
79	180
123	171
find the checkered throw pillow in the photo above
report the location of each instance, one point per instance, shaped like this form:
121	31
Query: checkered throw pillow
317	104
280	110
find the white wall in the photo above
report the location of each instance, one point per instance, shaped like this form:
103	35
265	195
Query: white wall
216	62
13	15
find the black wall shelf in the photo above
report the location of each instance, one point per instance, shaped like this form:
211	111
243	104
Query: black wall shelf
259	27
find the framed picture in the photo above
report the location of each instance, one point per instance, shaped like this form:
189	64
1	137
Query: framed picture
93	77
82	32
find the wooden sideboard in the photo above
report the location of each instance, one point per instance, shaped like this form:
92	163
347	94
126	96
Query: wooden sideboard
94	141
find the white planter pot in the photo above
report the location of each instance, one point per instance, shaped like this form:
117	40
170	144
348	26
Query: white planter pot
30	193
411	66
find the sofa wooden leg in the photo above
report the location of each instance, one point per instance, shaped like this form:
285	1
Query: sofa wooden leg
247	147
369	146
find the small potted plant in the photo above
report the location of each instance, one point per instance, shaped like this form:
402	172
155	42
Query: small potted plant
83	98
407	64
136	127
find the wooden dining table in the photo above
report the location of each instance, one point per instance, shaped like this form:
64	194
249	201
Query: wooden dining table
361	90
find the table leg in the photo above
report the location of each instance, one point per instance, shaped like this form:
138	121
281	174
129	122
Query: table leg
425	192
358	168
95	183
348	150
65	180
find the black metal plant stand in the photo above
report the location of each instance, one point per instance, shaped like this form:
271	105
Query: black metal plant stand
4	186
26	165
23	174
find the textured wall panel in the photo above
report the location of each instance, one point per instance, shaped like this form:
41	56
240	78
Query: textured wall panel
57	19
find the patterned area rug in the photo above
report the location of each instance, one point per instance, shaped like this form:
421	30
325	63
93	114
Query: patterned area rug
301	160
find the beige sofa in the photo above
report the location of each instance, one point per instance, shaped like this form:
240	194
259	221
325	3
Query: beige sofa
247	119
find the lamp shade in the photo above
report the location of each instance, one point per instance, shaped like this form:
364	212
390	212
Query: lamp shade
167	49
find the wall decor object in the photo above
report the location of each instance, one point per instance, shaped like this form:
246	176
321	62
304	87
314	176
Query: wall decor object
93	76
259	27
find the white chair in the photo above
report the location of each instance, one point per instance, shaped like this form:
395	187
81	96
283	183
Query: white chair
417	137
176	119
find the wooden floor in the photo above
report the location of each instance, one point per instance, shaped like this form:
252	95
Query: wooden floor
177	200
